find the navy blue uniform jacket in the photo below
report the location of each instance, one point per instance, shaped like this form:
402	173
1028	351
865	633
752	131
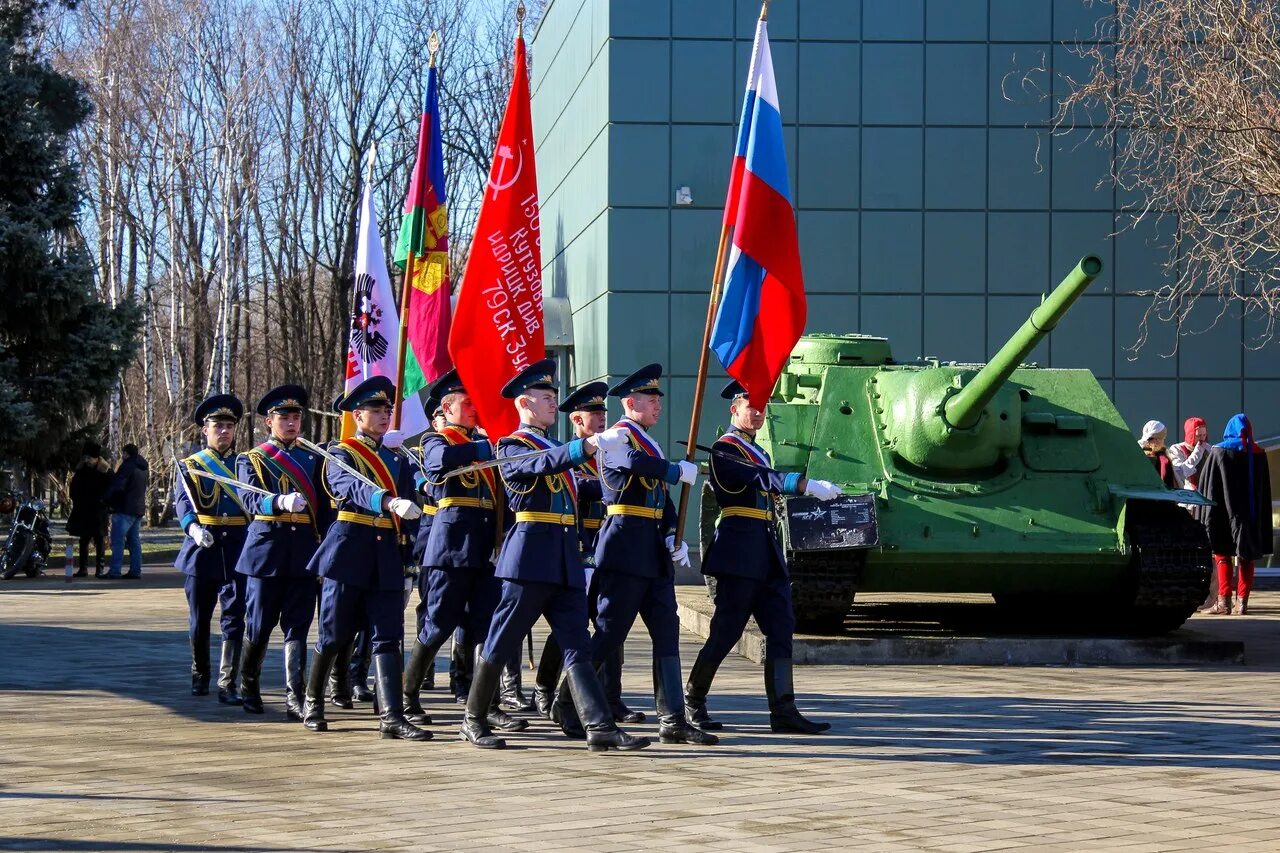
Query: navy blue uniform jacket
628	543
464	530
541	549
215	510
743	545
280	544
362	546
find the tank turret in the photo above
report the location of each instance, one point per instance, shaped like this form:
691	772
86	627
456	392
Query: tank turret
955	419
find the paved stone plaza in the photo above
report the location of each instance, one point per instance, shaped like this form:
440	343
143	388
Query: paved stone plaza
103	749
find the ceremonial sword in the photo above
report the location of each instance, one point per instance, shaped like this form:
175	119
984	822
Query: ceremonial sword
732	458
336	461
226	481
494	463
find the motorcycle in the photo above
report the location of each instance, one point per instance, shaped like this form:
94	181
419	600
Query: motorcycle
27	549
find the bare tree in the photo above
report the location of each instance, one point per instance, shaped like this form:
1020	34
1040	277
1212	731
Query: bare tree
1188	93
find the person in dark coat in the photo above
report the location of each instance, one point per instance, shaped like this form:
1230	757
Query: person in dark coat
1236	478
127	497
88	519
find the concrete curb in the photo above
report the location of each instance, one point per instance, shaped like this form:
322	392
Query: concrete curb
1180	648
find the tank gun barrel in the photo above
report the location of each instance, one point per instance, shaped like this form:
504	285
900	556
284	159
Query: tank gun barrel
965	408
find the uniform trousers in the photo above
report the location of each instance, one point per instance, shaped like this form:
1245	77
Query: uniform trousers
457	597
738	599
520	605
346	608
622	597
203	594
289	602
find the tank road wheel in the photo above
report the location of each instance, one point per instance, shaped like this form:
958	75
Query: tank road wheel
1171	565
708	511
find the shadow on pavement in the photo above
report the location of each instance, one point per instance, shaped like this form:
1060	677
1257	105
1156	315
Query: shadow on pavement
21	843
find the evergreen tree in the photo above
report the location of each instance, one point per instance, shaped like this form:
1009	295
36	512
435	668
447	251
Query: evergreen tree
61	347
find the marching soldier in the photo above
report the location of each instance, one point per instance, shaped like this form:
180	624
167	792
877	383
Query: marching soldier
746	560
586	409
214	520
361	561
540	564
634	553
457	582
280	542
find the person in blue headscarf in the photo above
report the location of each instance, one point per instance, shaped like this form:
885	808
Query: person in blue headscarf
1237	480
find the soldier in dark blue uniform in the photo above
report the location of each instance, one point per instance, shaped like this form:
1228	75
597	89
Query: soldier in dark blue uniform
457	580
634	552
215	520
281	540
747	562
361	559
540	564
586	409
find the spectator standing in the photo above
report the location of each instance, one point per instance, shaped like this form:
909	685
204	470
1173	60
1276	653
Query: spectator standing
127	498
88	519
1152	443
1236	478
1188	456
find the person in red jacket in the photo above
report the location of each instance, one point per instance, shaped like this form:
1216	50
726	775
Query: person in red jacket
1236	478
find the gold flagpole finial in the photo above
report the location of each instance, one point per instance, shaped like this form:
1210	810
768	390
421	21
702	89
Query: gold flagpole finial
520	19
764	10
433	47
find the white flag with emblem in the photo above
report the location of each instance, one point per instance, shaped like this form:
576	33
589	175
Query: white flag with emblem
374	343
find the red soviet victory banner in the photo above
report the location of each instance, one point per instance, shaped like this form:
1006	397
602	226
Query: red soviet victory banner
497	325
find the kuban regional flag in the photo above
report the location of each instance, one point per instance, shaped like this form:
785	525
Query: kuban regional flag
375	328
761	313
423	253
497	327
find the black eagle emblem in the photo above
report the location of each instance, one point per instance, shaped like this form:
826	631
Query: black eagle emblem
367	342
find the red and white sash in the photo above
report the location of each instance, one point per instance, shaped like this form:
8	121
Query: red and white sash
748	449
538	442
641	438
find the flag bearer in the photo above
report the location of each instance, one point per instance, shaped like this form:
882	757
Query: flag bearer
280	542
215	521
457	582
634	553
540	564
361	560
746	560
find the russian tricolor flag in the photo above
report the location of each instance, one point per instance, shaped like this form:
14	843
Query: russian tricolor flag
761	313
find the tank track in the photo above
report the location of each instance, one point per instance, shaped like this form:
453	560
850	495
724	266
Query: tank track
1172	564
823	587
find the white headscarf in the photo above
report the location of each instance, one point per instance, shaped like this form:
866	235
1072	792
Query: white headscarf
1151	429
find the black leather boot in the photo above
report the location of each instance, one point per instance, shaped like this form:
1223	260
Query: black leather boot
565	715
295	667
603	733
200	663
339	677
313	709
695	695
510	693
547	677
412	687
391	720
475	721
611	680
429	680
461	656
360	668
251	676
784	716
229	673
672	726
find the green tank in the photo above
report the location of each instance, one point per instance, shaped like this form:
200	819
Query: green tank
1004	478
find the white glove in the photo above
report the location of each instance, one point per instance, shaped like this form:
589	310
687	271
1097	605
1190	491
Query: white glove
688	471
393	438
293	502
405	508
199	535
612	440
678	555
822	490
